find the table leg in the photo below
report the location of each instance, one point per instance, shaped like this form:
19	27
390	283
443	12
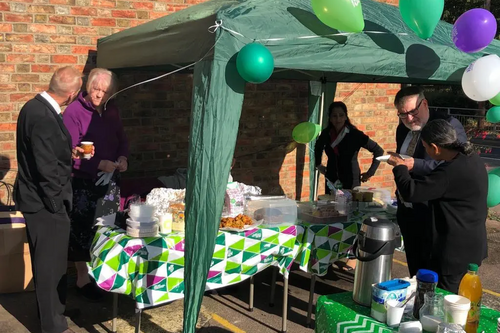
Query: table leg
115	313
285	305
250	303
138	313
311	300
273	285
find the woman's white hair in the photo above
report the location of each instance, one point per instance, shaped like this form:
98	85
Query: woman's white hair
96	74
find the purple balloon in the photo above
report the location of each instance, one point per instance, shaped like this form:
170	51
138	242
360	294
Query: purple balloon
474	30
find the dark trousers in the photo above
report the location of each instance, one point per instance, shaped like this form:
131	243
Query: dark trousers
417	237
48	236
450	282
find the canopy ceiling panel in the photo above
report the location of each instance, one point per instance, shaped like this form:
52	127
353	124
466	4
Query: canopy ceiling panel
387	51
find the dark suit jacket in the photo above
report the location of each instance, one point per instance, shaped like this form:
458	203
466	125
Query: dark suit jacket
44	159
416	221
423	162
456	192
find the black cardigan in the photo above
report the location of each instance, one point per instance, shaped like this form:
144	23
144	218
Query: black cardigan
345	166
456	192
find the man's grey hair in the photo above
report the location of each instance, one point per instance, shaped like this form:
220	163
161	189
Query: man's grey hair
66	80
407	92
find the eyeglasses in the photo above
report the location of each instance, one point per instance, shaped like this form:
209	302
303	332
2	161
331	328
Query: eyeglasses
413	113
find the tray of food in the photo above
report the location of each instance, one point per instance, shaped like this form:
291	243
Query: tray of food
238	223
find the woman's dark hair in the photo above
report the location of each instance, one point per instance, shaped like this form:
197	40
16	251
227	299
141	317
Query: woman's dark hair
340	105
442	134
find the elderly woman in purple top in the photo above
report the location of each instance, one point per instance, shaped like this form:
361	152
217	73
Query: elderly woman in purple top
87	120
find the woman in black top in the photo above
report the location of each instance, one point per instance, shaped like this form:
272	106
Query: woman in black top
456	191
341	142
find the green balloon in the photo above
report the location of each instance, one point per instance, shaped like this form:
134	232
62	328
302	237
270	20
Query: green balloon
493	189
495	172
344	15
493	115
255	63
305	132
495	100
421	16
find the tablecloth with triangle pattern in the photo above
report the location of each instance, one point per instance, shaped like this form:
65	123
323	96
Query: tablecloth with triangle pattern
151	270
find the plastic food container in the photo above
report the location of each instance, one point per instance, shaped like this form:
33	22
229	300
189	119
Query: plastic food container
456	309
273	211
177	210
320	212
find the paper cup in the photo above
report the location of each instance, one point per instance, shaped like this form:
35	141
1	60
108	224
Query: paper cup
165	223
394	314
456	309
87	149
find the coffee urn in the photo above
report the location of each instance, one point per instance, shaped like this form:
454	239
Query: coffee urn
374	249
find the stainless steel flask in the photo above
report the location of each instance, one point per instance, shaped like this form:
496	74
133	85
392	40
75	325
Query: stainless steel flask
374	249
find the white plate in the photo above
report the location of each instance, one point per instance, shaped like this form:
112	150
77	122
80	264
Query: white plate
247	227
385	158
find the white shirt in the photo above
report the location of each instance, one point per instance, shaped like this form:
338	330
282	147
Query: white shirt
406	143
340	137
52	101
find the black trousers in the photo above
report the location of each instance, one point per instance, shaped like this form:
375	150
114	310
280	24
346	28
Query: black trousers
48	236
416	230
450	282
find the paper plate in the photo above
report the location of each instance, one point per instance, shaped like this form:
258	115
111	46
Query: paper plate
385	158
247	227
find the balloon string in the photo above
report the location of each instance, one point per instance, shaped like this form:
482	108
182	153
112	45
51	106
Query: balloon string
218	24
166	74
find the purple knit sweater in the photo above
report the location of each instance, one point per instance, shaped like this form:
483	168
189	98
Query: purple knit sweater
106	131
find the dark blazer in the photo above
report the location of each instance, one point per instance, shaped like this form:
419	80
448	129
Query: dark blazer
416	221
44	159
423	162
345	166
456	192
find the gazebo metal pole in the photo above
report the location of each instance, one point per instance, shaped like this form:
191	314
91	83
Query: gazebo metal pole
320	121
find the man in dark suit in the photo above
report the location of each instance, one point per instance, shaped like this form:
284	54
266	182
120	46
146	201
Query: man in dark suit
414	218
43	192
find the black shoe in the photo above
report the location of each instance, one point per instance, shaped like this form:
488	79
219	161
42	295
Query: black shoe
90	292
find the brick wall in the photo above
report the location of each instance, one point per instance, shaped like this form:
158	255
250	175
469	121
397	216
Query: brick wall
37	36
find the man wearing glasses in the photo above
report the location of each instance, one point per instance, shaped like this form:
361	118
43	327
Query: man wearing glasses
414	218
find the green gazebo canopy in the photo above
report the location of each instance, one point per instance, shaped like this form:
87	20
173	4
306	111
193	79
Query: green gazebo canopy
388	51
303	48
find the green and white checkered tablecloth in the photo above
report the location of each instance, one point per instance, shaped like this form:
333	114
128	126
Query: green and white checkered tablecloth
151	270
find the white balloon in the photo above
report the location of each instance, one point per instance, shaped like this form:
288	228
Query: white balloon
481	80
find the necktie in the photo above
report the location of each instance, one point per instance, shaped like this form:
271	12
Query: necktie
410	151
413	143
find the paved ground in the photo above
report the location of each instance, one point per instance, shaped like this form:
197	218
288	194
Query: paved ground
227	309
